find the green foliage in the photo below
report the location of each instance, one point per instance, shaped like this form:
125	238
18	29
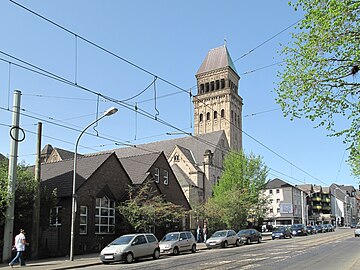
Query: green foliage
145	208
319	81
238	193
24	193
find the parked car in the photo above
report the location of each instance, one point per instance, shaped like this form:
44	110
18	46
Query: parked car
357	231
329	227
223	238
298	229
129	247
320	228
311	229
249	235
281	232
176	242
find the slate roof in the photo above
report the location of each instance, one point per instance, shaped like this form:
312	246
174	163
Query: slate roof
65	154
137	167
277	183
60	174
182	177
189	155
217	58
197	144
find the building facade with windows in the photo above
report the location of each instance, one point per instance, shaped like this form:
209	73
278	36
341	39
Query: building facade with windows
102	182
285	203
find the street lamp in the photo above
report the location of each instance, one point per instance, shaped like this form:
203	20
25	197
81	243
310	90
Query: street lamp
110	111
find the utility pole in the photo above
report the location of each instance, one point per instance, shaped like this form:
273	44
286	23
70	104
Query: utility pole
9	218
36	206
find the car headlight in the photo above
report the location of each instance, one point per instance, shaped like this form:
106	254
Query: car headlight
167	246
118	250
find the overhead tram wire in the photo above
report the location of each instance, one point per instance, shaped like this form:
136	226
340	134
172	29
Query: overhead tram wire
144	113
150	73
266	41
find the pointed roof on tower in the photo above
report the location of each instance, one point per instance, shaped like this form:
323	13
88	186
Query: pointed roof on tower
217	58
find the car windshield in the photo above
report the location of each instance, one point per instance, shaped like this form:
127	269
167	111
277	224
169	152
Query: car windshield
297	226
279	229
219	234
242	232
170	237
123	240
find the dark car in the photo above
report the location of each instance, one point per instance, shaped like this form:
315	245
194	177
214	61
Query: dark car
281	232
298	229
329	227
320	228
249	235
311	229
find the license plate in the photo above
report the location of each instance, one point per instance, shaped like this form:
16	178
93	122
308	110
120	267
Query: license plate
212	244
109	257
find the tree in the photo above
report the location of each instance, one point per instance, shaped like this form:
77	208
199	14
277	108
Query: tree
24	197
238	195
319	81
144	208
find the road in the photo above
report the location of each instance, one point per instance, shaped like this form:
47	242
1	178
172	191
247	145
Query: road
333	250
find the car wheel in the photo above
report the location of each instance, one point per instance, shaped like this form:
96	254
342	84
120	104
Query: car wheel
156	254
176	251
273	238
193	248
129	258
225	244
248	242
237	243
259	240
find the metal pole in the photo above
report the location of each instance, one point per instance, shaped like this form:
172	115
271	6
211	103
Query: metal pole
9	217
36	206
73	202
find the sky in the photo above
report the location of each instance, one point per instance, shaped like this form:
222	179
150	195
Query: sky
118	48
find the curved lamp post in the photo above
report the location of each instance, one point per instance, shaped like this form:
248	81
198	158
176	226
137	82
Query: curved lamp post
110	111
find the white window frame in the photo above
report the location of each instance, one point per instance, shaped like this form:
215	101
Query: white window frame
157	175
166	177
105	211
57	221
83	215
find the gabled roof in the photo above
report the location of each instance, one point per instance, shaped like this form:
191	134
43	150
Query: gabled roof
197	144
65	154
217	58
60	174
137	167
189	156
182	177
277	183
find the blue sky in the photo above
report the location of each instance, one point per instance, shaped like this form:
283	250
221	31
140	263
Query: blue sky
168	39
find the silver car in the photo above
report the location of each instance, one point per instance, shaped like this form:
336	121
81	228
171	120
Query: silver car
357	230
176	242
129	247
223	239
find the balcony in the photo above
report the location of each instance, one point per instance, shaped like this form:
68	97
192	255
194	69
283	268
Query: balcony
327	200
316	199
317	207
326	208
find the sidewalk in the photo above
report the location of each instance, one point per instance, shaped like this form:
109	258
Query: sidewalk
79	261
64	262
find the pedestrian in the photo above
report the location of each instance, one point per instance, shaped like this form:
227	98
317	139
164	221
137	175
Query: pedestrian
205	232
19	244
198	234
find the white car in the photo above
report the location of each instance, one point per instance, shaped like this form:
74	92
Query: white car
129	247
176	242
223	239
357	230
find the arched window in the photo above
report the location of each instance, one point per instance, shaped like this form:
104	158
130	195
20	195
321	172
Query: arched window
222	113
208	116
202	87
207	86
217	85
201	117
222	83
215	115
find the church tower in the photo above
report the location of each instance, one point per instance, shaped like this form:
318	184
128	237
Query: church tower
217	105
